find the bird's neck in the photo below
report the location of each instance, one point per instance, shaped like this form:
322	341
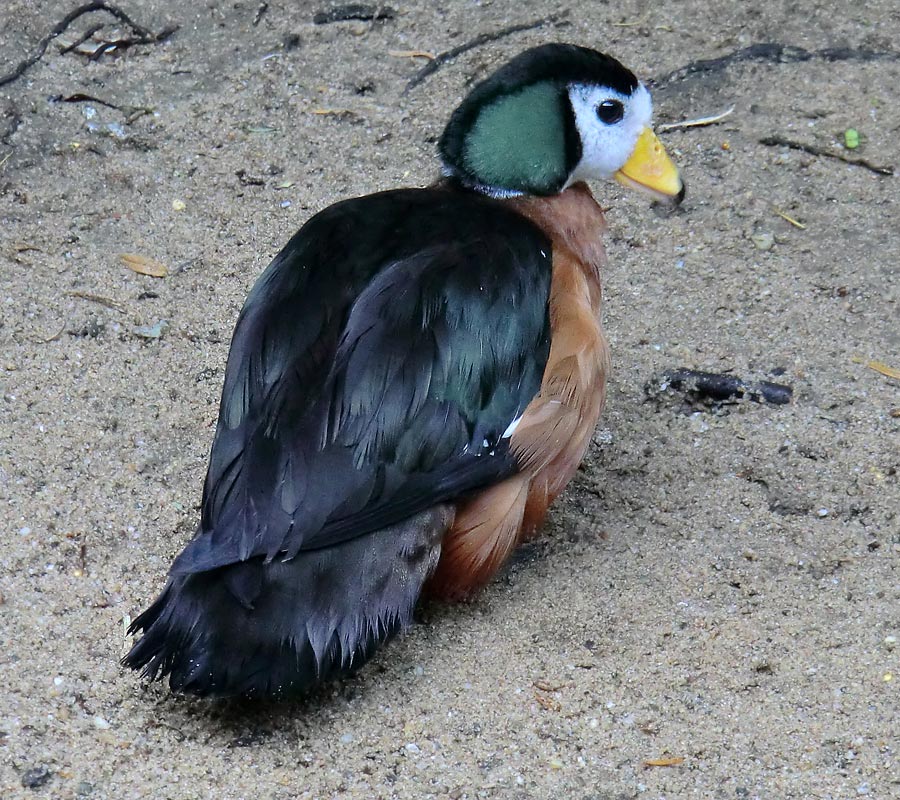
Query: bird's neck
572	219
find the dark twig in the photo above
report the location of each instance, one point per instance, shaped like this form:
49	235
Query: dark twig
442	58
80	97
263	8
773	53
354	11
131	112
711	386
145	36
779	141
105	47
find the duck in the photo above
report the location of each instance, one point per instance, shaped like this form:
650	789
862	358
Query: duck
411	383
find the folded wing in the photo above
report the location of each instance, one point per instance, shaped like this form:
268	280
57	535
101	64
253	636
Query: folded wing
373	372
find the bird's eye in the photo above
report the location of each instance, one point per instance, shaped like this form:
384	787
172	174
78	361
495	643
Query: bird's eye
610	111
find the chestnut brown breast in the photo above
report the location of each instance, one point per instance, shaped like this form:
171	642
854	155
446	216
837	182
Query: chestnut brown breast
554	431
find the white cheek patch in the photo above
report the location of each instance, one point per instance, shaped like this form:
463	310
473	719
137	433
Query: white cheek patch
606	148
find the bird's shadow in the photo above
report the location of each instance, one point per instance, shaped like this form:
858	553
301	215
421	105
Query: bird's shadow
241	722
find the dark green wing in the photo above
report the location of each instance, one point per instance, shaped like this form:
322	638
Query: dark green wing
373	371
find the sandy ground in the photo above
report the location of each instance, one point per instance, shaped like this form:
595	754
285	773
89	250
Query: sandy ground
718	586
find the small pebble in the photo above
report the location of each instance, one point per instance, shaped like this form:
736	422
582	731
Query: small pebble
603	436
555	763
763	241
84	789
890	642
822	512
178	205
412	747
154	331
36	777
101	724
698	423
347	738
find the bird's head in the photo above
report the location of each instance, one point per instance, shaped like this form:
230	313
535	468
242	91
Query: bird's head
554	115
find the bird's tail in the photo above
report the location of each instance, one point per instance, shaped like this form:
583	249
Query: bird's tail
257	628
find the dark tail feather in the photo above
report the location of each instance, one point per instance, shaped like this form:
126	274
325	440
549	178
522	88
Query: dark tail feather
279	628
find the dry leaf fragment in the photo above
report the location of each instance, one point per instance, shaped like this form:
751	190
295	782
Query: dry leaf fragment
547	703
664	762
884	369
143	265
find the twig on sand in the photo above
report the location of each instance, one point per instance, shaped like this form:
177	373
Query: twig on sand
482	39
699	122
411	54
144	36
96	298
260	11
717	388
355	11
666	761
632	24
780	141
774	53
788	218
131	112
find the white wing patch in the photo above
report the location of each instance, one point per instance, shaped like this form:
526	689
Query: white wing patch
510	429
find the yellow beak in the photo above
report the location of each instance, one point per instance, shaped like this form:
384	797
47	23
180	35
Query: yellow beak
650	169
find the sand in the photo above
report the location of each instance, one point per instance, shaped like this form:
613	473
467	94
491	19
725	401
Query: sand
718	589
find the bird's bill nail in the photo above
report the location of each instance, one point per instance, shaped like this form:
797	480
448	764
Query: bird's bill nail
650	169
